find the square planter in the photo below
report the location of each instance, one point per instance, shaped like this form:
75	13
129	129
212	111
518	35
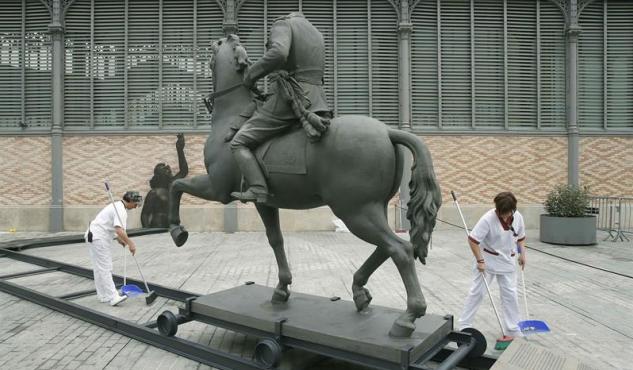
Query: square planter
568	230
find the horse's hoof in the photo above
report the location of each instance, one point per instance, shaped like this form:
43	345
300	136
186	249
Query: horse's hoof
402	329
362	298
280	296
178	234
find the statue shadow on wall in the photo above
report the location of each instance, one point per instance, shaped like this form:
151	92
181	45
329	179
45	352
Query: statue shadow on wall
156	204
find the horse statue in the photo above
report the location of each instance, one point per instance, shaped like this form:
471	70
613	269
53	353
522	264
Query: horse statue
355	169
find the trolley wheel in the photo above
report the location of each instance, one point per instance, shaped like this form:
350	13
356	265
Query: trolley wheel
268	353
167	323
480	342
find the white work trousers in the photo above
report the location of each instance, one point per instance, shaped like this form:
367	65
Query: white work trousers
101	257
509	301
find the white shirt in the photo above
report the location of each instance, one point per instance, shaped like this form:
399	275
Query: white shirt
103	225
498	245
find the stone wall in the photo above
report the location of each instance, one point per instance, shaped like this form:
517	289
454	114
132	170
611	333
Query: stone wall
126	161
475	166
606	165
479	167
25	171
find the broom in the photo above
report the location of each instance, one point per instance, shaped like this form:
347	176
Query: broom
528	326
504	341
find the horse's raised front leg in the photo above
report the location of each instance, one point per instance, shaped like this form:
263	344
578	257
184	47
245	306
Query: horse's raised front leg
362	297
369	223
198	186
270	217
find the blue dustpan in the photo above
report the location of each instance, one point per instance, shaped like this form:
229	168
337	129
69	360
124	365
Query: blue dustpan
131	290
528	327
533	327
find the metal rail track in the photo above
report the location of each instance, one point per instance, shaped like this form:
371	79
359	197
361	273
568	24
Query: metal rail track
147	334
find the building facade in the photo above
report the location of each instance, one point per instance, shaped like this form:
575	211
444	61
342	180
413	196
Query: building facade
508	94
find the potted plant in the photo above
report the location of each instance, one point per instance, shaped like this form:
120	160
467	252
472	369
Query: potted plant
566	221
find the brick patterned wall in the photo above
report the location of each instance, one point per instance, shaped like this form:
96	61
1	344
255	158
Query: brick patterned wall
127	161
479	167
25	170
606	165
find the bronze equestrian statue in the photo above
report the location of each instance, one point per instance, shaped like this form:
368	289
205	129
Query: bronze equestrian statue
355	169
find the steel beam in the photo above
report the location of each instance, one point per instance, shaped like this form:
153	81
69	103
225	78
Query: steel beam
181	347
162	291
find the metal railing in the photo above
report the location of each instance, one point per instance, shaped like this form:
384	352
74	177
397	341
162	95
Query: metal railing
614	215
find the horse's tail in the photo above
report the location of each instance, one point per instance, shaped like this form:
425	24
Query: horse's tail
426	197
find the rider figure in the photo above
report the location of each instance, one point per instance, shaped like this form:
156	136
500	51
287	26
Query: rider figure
296	48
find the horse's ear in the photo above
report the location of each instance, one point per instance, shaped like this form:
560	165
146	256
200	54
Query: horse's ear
241	58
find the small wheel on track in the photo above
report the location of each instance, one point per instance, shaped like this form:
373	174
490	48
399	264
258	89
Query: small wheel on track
480	342
268	353
167	323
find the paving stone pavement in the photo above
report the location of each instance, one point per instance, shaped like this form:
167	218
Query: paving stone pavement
585	294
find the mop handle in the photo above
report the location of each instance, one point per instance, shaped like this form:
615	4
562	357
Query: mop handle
460	213
483	274
107	186
527	313
140	272
124	266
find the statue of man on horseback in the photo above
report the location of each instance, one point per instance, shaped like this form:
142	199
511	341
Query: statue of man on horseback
354	169
295	61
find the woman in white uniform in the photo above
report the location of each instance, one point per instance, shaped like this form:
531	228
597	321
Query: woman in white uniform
493	241
109	224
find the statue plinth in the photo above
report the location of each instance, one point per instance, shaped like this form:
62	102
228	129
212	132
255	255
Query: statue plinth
320	321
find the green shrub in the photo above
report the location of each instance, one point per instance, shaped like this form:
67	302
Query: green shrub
567	201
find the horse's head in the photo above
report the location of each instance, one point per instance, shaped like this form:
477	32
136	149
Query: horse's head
228	62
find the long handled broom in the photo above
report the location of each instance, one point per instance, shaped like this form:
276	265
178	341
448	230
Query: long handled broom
130	290
151	295
504	341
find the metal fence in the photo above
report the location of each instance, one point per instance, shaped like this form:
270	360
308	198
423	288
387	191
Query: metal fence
614	215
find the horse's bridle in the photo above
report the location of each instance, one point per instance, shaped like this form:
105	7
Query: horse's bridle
208	101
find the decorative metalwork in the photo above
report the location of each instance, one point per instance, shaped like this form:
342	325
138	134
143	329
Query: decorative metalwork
239	4
413	6
396	7
562	5
582	4
57	9
47	4
67	4
222	4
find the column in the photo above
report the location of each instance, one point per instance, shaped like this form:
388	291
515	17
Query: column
230	18
404	86
230	26
573	137
56	31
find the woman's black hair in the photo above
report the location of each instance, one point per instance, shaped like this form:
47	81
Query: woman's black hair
505	202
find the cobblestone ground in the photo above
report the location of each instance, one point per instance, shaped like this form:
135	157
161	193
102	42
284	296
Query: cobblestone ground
585	294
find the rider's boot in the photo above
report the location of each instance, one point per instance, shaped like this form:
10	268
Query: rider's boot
258	189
